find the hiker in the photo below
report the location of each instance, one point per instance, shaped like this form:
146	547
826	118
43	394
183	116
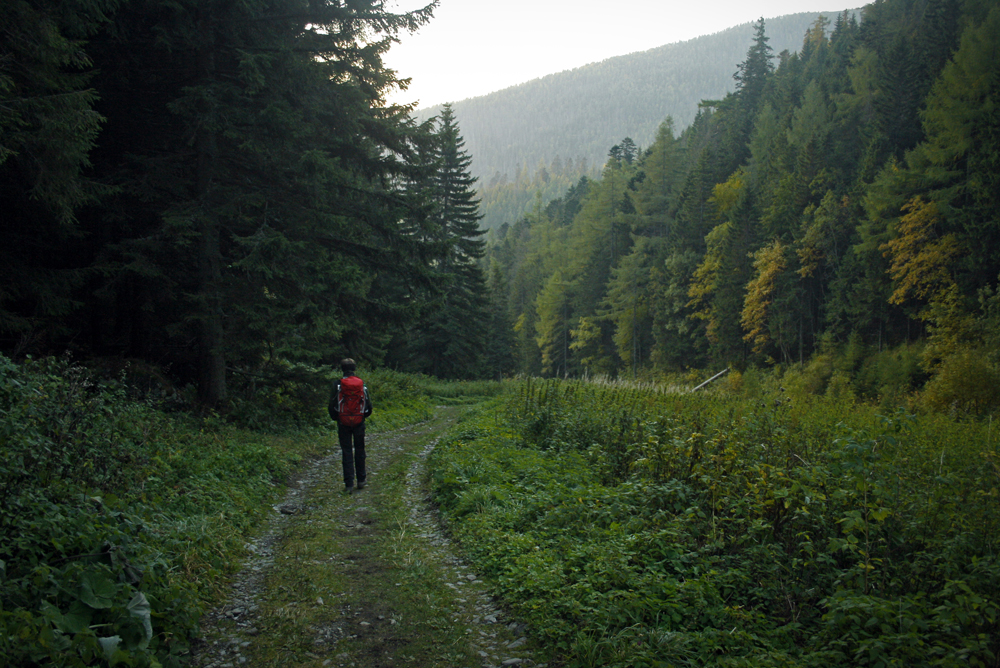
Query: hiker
349	406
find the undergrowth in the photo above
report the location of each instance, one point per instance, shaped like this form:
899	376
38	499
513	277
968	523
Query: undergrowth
119	522
636	528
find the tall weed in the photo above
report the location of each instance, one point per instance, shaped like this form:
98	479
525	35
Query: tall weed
116	520
718	529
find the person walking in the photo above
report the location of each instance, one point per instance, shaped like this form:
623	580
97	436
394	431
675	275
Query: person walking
349	406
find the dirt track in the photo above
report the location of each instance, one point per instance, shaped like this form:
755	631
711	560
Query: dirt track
362	580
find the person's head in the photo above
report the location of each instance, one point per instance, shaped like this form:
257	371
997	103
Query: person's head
347	365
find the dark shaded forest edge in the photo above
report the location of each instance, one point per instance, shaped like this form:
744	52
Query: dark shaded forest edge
206	205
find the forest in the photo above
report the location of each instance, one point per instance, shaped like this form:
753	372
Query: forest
836	216
540	137
578	114
220	198
219	194
205	205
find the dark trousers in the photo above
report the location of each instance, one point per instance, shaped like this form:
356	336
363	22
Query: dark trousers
352	447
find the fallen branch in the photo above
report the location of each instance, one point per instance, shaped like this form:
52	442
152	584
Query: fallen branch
718	375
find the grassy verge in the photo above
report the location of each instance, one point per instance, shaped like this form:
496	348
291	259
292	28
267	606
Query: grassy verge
119	523
636	528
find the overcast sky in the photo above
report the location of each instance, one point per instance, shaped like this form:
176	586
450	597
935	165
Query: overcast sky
474	47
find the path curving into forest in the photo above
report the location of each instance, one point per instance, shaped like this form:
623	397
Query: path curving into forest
362	580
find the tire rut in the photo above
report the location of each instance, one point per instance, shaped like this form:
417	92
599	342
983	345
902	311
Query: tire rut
231	630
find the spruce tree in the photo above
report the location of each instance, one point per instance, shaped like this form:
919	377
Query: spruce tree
449	338
741	108
48	127
501	347
752	73
257	161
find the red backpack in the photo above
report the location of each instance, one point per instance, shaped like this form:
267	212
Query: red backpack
351	401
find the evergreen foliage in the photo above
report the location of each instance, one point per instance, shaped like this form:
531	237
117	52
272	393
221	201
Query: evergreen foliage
844	192
222	189
448	338
48	126
241	212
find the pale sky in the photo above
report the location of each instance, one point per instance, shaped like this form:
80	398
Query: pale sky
474	47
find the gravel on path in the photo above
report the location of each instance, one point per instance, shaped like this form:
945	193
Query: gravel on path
229	630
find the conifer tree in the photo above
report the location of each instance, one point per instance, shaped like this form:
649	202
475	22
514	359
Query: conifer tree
627	305
449	338
257	160
656	193
741	107
553	325
456	212
751	75
501	347
48	126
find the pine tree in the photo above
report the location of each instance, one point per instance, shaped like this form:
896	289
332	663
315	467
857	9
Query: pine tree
449	338
752	74
456	205
257	162
48	126
627	305
553	325
741	107
657	192
501	346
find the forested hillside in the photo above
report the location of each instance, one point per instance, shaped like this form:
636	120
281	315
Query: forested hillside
222	196
565	122
841	205
579	113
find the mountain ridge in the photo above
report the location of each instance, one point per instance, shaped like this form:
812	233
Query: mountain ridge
581	112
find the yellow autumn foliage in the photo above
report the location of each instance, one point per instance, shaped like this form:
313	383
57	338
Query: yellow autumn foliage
725	195
768	264
920	258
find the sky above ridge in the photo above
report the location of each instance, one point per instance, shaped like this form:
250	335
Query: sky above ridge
474	47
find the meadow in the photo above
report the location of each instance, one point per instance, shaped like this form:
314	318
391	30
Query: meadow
737	526
627	524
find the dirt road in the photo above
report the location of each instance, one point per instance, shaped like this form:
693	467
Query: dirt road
363	580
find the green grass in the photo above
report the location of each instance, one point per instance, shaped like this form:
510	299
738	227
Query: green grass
384	597
732	530
463	392
119	524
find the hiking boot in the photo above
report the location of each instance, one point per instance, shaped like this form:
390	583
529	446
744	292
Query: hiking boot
349	488
361	484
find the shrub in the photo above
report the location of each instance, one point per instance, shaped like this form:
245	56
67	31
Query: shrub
813	377
839	389
964	383
398	399
116	520
889	376
282	398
